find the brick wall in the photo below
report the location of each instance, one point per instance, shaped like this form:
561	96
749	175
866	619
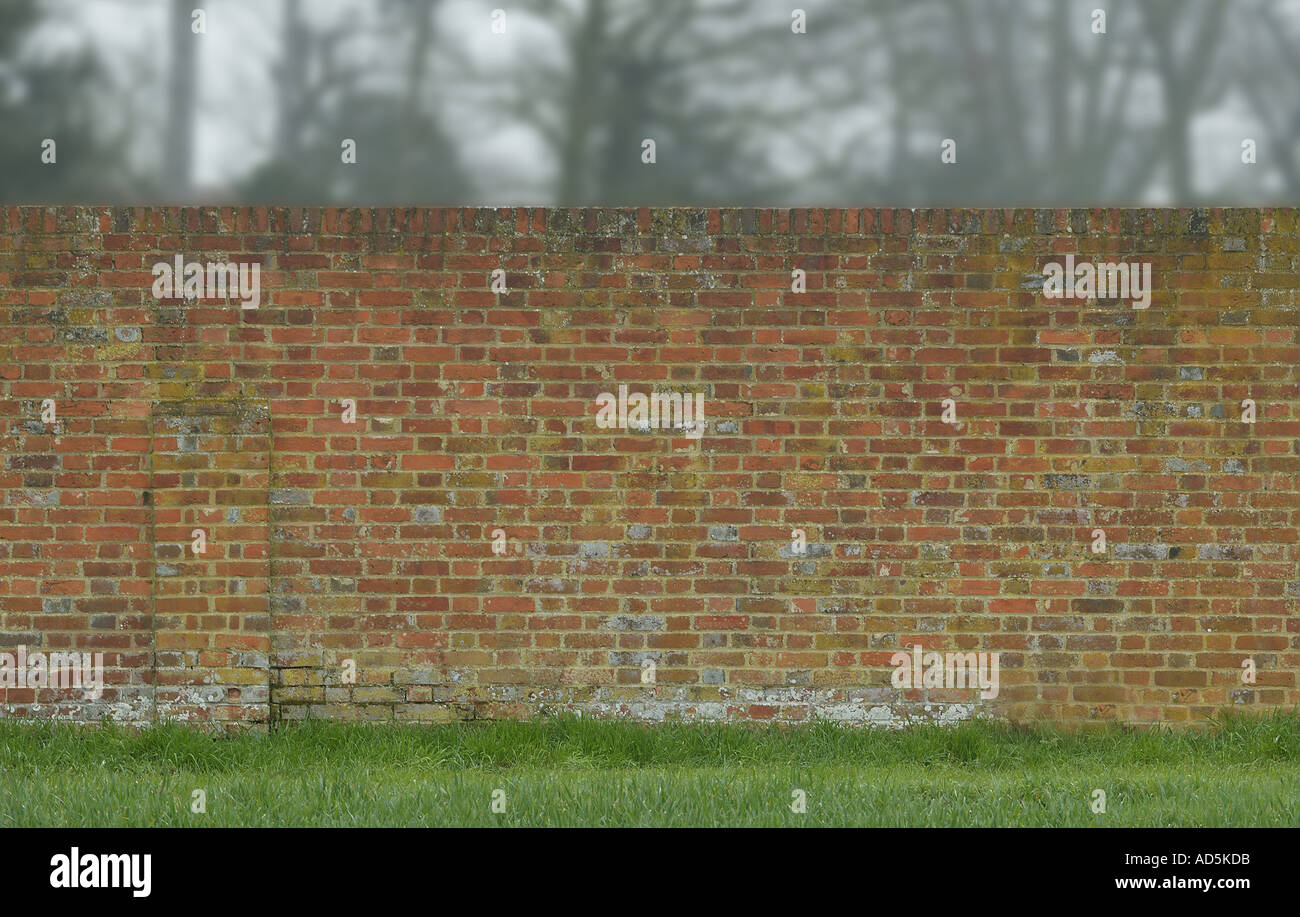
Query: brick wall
477	544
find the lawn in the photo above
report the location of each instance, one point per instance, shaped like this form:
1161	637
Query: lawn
1238	771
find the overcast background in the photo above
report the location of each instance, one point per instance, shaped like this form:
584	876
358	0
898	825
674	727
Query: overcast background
743	111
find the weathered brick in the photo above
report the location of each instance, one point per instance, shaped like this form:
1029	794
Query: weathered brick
475	544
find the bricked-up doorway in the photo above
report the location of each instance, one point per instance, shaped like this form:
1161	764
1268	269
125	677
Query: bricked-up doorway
211	472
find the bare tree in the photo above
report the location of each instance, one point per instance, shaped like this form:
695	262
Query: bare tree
182	99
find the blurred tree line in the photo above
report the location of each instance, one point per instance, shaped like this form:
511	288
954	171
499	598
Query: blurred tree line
748	102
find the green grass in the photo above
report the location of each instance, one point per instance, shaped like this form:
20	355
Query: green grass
1238	771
